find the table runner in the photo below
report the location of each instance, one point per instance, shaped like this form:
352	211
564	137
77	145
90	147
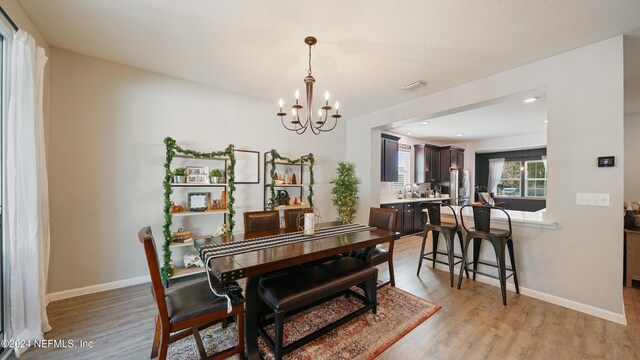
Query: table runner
212	251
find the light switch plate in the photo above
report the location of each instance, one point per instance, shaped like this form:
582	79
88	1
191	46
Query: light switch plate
592	199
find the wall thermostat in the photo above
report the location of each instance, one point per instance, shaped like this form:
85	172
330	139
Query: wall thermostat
606	161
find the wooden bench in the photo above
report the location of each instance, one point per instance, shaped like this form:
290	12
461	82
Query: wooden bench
293	292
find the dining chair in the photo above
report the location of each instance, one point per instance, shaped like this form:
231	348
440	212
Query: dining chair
386	219
188	309
261	220
291	216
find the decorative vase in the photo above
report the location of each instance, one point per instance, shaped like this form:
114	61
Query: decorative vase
179	179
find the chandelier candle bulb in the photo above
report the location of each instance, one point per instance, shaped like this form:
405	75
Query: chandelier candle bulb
297	94
326	96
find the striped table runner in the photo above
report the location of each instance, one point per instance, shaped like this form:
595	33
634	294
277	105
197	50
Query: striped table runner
213	251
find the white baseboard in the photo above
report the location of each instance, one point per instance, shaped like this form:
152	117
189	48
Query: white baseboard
556	300
96	288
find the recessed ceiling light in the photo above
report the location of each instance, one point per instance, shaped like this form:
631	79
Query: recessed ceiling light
530	100
546	121
409	133
459	134
394	125
425	122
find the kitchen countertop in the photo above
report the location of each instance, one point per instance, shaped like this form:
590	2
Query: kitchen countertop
524	218
402	201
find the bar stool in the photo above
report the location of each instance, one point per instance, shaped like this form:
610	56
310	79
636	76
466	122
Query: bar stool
499	238
431	221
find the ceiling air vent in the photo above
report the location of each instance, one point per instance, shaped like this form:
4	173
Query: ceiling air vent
414	85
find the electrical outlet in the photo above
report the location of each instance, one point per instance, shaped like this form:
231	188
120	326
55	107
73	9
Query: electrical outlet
592	199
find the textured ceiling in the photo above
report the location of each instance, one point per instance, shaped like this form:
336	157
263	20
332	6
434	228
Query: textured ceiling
367	49
505	119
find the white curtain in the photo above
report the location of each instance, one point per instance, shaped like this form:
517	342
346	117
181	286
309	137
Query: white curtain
495	173
544	162
27	215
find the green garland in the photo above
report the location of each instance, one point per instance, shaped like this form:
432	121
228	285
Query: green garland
172	150
304	159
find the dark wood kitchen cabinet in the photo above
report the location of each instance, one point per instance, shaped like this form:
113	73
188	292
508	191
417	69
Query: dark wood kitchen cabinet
450	156
409	220
432	164
427	160
389	158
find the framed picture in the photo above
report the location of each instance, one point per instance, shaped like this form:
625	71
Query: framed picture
247	168
198	201
197	170
197	175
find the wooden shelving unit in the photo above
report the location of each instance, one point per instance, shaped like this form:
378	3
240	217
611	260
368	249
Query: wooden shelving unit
282	166
199	213
185	185
179	218
180	272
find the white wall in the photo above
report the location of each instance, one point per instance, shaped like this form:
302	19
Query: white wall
107	157
581	260
632	164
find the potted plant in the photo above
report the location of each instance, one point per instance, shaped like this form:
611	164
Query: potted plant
345	192
179	175
215	176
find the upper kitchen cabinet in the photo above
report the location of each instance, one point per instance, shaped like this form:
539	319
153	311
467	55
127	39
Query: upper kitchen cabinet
450	156
427	160
389	158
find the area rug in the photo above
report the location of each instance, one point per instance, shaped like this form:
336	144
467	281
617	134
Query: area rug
362	338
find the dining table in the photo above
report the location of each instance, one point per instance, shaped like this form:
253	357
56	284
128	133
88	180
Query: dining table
254	264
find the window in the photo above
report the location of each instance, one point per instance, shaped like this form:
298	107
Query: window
510	180
535	179
404	174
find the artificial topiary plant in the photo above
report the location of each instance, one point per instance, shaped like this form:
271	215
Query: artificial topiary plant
345	192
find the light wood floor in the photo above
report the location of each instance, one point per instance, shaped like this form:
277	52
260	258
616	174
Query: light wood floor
472	323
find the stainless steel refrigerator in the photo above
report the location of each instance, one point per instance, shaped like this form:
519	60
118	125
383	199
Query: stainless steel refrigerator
459	186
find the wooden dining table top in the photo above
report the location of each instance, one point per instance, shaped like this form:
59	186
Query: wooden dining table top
256	262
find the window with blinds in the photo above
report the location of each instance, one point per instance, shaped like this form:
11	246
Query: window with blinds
404	168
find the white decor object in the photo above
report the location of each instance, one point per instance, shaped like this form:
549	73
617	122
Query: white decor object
192	261
27	216
309	223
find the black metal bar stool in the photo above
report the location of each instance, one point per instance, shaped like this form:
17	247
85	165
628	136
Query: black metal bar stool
499	238
432	222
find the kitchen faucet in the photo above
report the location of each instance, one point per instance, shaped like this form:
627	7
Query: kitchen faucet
411	191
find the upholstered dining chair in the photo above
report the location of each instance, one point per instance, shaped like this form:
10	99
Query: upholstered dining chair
386	219
291	216
187	309
261	220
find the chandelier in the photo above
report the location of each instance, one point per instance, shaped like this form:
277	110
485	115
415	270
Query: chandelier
323	113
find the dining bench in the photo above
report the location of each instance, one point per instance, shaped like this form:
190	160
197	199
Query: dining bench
290	293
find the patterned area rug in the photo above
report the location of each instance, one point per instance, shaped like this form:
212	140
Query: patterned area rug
365	337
